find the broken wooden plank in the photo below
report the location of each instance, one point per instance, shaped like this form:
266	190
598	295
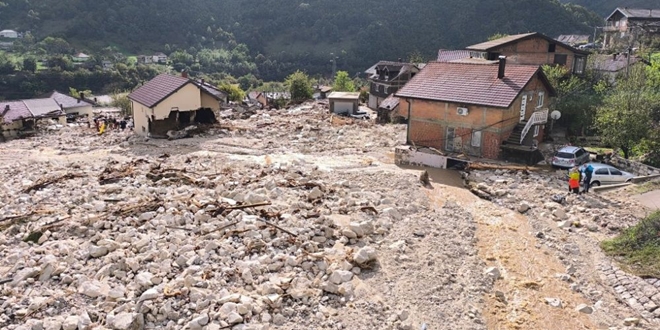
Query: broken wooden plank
43	183
487	166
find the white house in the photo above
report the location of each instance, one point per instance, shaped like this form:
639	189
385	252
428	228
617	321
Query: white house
8	34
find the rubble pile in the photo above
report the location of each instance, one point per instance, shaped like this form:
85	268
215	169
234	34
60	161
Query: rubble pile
135	240
545	195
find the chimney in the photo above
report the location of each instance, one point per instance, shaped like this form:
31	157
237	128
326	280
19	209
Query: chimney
82	96
502	66
96	100
184	73
6	108
202	82
400	60
614	57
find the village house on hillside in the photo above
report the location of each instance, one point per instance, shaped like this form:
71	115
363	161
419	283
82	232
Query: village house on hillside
20	115
613	66
81	57
532	49
479	109
628	27
386	78
170	102
10	34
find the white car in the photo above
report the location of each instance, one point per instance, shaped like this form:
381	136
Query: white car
570	156
605	174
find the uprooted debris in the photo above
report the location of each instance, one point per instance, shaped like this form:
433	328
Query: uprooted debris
44	182
115	174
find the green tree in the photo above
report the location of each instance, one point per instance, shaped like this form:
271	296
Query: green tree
121	101
343	82
30	64
497	36
6	64
624	119
236	94
76	93
416	57
299	86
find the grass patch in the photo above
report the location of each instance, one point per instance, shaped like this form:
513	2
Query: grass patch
599	151
638	247
647	186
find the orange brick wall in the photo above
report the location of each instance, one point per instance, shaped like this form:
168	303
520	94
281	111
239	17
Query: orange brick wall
430	119
535	52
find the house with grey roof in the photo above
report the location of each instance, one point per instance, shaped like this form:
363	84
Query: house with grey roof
72	105
630	27
170	102
611	67
20	115
386	78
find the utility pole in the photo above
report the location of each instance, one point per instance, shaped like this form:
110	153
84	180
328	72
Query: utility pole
334	65
628	64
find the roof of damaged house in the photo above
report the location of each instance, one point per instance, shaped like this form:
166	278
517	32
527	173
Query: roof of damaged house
43	107
504	41
391	102
612	63
11	111
638	13
445	55
573	39
211	90
400	67
67	101
472	83
158	89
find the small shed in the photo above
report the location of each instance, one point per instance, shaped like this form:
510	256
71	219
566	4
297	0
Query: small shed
344	102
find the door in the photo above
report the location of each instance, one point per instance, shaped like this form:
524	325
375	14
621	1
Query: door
523	107
616	176
601	175
343	107
449	139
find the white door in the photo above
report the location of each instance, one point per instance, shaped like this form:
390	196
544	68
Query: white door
523	107
343	107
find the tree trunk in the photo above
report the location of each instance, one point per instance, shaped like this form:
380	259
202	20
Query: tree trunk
625	152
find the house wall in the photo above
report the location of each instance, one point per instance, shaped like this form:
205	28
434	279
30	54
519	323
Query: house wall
83	110
430	120
534	51
140	118
185	99
210	102
10	130
354	103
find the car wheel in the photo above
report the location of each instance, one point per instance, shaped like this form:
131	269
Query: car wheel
596	183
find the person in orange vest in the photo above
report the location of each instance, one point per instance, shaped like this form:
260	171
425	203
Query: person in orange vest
574	180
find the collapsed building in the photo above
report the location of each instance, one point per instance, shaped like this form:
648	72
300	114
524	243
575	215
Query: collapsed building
170	102
18	118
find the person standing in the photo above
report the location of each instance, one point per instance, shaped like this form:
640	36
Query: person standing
574	180
588	172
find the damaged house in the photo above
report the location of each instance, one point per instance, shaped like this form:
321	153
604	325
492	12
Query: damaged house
20	116
482	109
170	102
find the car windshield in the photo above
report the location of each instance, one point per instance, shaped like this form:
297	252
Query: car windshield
565	155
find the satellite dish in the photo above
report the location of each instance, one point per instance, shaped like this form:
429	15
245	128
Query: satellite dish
555	115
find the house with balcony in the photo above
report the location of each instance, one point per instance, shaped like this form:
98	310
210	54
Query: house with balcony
479	109
386	78
631	27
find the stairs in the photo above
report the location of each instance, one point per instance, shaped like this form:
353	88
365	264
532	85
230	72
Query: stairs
514	138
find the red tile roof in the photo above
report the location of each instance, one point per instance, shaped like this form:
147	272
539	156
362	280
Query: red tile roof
158	89
470	83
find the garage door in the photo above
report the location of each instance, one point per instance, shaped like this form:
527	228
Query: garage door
342	107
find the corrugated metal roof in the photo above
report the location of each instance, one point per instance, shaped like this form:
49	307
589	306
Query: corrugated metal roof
469	83
653	13
485	46
445	55
573	39
608	63
158	89
344	95
391	102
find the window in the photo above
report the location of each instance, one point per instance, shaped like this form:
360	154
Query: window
614	171
541	99
552	48
579	153
476	139
579	65
601	171
449	139
381	88
560	59
537	128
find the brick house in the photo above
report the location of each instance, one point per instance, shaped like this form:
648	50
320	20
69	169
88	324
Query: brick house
478	109
532	49
630	27
386	78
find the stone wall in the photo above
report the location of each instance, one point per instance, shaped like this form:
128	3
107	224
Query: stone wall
632	166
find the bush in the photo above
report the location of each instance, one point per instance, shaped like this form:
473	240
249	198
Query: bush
638	247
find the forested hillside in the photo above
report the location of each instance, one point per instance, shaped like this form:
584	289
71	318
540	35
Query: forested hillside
281	35
606	7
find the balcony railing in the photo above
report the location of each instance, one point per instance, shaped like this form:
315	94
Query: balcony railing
539	117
